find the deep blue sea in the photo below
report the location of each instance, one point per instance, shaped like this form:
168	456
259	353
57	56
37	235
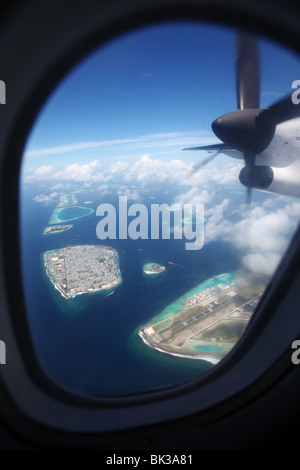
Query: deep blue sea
89	344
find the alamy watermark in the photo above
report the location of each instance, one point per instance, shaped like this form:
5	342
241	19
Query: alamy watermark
163	222
296	94
2	352
2	92
296	354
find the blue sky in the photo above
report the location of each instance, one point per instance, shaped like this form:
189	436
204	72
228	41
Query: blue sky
123	115
152	92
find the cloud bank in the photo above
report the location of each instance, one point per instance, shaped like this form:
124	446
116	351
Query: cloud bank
261	235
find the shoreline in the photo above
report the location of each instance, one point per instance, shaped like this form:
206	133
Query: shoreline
178	306
55	217
211	359
64	228
147	269
112	289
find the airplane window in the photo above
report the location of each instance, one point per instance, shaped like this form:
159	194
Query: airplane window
159	190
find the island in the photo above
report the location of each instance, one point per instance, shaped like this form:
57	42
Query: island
153	269
67	210
67	200
56	229
82	269
206	322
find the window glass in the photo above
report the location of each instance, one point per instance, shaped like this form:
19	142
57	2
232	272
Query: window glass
141	269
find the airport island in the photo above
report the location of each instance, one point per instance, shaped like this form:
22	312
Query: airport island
56	229
206	322
82	269
153	269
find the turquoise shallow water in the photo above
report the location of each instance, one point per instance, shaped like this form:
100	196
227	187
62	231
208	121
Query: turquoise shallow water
180	303
90	344
229	277
66	214
208	348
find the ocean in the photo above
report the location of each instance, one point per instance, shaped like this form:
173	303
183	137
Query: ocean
90	344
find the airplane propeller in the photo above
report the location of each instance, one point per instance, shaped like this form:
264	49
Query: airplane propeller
250	129
219	148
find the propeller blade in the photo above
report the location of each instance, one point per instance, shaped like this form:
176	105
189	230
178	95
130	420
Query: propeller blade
203	163
247	72
208	159
248	198
279	112
208	148
249	158
248	227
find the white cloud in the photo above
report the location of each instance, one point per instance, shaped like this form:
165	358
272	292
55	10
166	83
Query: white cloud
144	170
267	231
195	196
147	169
103	189
218	226
260	234
164	139
261	263
264	237
45	199
229	174
58	186
130	194
44	172
85	173
261	239
225	174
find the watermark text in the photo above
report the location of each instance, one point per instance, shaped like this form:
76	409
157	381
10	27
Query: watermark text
2	352
296	354
296	94
163	222
2	92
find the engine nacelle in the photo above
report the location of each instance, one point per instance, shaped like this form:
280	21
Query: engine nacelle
259	177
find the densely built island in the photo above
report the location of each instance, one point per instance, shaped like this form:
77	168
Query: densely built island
206	322
81	269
